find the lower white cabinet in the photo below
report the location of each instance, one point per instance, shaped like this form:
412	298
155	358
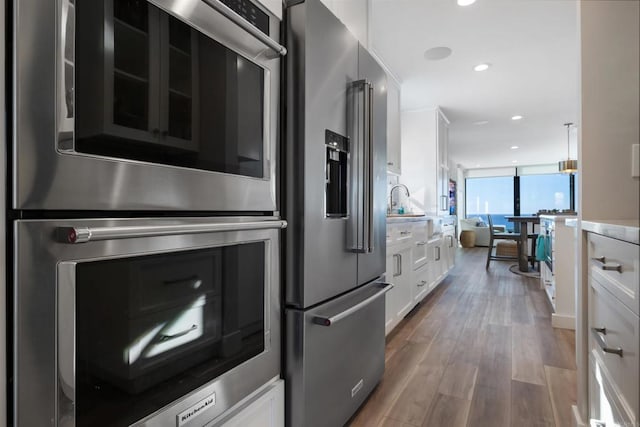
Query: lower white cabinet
614	330
266	409
416	263
557	276
399	299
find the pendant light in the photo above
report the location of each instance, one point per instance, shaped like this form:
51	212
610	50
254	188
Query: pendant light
569	165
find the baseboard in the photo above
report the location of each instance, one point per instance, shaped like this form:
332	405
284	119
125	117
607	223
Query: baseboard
577	419
563	321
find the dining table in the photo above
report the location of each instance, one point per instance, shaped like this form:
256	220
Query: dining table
523	221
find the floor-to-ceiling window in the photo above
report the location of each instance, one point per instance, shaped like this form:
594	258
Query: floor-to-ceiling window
526	191
544	192
491	195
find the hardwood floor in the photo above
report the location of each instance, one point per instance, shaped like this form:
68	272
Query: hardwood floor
479	351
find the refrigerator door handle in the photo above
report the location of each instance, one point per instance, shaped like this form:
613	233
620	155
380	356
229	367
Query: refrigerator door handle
368	175
359	94
331	320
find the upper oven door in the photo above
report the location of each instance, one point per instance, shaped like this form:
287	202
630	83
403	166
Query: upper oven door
145	105
139	320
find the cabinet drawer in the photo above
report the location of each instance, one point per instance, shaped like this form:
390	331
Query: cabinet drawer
400	233
615	264
419	253
604	406
157	284
622	331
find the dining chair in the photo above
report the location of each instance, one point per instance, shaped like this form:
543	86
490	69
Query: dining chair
497	235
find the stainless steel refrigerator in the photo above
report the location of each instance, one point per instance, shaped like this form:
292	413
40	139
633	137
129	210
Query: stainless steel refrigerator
334	163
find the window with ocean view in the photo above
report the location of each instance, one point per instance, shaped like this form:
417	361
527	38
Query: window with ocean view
490	196
544	192
495	196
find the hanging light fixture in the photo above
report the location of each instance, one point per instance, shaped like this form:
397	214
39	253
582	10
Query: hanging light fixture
569	165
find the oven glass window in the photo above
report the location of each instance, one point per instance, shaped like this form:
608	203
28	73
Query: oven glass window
151	329
150	87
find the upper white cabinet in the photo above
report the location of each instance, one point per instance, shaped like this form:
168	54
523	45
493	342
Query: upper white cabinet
393	127
425	136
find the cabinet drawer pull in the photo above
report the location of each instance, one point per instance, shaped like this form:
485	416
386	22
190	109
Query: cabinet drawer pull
405	233
397	270
616	267
421	243
438	256
600	259
601	342
179	334
389	163
422	283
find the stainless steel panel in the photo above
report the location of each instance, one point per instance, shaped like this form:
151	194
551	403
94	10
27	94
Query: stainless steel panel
50	175
321	65
44	271
331	370
3	198
372	265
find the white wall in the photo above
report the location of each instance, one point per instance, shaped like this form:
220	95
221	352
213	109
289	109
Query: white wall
610	109
354	14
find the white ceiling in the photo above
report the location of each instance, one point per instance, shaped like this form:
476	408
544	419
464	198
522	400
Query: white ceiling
533	47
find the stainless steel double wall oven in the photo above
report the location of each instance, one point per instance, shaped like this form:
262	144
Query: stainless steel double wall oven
146	279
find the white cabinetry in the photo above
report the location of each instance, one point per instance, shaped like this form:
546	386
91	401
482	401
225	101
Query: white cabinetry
266	409
425	160
399	300
416	263
393	127
614	330
557	277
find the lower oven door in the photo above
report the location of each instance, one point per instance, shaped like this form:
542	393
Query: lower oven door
143	322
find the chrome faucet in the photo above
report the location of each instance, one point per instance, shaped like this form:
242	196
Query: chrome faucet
391	204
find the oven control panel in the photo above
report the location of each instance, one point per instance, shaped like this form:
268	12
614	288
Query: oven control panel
250	12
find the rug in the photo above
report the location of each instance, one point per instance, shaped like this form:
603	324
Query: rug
531	273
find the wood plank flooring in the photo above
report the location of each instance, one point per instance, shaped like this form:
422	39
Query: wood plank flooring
479	351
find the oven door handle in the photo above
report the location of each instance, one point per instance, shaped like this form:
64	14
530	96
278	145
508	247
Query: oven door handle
276	48
328	321
91	234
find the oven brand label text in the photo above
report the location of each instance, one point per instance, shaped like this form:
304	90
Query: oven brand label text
195	410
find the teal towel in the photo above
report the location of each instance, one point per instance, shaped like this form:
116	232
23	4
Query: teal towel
541	247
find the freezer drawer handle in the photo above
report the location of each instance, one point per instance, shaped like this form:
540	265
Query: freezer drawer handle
277	49
328	321
87	234
601	342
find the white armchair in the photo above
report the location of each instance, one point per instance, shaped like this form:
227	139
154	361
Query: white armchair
481	229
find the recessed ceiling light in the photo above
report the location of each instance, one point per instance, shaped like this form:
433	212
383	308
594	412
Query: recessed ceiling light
481	122
516	118
514	161
465	2
478	165
437	53
482	67
514	147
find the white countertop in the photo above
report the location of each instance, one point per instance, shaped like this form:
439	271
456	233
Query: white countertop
627	230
